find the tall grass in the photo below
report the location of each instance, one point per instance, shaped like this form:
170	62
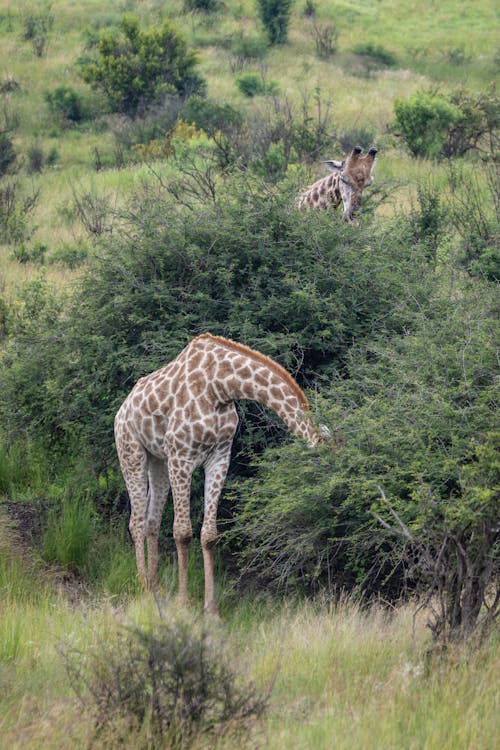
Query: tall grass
343	677
70	532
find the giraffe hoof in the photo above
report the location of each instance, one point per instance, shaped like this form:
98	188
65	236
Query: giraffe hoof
211	609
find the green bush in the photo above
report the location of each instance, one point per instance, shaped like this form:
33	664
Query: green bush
211	116
65	102
423	121
275	16
35	254
15	210
7	152
246	47
251	84
206	6
264	276
377	54
70	255
433	124
135	68
411	471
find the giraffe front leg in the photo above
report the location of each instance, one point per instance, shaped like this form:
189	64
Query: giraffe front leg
215	475
180	472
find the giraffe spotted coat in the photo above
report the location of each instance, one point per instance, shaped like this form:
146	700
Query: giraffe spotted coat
182	417
345	185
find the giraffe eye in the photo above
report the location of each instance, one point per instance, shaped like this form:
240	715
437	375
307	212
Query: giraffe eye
345	180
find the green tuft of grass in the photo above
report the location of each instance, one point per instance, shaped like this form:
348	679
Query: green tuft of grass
70	532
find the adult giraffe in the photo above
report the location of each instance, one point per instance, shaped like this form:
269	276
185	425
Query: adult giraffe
183	416
346	184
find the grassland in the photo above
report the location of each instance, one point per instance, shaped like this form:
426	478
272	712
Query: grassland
340	676
445	44
344	677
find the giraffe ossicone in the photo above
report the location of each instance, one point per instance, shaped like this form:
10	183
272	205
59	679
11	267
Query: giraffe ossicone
345	185
183	416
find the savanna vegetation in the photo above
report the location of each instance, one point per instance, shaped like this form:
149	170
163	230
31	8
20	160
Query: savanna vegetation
151	155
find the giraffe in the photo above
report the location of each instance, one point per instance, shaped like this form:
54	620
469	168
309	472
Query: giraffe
183	416
346	184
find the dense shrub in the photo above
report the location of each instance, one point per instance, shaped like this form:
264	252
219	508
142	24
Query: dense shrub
423	121
280	281
434	124
412	474
7	152
65	102
15	212
135	68
252	84
246	48
275	16
206	6
376	53
212	116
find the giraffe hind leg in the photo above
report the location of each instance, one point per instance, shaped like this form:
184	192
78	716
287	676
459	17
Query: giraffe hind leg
133	461
157	495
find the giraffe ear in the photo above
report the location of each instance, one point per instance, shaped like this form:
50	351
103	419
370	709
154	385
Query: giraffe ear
334	166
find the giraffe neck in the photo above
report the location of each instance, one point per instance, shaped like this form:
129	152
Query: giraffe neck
245	374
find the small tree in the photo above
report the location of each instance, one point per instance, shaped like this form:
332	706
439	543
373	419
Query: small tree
135	67
275	15
65	102
423	121
434	124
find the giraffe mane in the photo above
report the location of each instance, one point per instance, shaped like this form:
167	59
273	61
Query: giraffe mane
259	357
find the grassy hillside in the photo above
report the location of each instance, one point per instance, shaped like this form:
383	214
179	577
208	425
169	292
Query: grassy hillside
445	44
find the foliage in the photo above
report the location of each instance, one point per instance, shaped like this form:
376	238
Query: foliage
275	16
409	415
377	54
70	533
252	84
434	124
275	133
268	276
455	551
475	212
7	152
325	37
423	121
175	679
37	27
214	117
478	126
15	211
34	254
71	255
135	67
207	6
65	102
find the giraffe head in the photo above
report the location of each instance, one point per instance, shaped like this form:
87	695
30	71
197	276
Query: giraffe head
355	173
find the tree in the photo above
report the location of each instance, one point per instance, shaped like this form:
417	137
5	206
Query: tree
136	67
434	124
275	15
424	121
